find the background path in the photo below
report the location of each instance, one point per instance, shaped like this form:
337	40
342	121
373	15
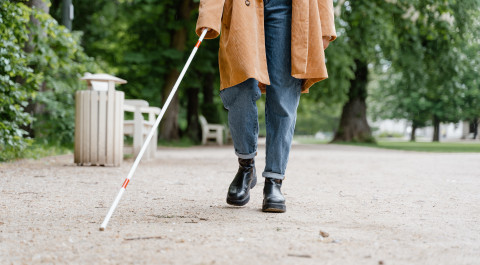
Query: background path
378	207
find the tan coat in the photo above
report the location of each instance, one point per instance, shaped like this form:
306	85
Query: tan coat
242	42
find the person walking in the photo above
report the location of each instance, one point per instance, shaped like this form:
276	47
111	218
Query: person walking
275	47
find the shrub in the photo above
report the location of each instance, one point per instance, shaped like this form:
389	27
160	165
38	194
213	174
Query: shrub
16	79
45	78
60	60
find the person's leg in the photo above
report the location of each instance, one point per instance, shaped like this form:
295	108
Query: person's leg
282	98
240	101
283	94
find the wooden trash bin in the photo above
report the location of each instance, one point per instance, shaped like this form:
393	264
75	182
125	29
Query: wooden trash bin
99	122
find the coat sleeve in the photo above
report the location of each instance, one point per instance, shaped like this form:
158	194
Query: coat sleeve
210	16
327	18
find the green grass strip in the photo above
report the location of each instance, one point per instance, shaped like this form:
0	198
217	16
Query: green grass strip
442	147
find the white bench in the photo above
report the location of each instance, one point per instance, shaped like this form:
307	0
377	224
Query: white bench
139	128
211	131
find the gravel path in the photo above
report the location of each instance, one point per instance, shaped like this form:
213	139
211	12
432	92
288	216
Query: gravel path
345	205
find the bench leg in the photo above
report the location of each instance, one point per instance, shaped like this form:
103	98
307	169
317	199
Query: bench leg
219	137
153	144
204	138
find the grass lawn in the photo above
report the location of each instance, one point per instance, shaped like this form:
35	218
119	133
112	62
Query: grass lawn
448	147
182	142
36	150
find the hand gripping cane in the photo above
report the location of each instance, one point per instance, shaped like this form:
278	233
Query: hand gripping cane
150	135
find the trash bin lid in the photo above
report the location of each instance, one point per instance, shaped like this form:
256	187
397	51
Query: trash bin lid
102	77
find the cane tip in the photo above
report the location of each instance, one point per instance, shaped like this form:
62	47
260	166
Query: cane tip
102	229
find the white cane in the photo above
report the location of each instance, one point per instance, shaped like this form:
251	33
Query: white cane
152	132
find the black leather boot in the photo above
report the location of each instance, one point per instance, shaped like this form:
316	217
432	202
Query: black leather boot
245	179
273	200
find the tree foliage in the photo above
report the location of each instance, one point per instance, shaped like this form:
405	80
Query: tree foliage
45	77
430	75
60	61
16	79
147	43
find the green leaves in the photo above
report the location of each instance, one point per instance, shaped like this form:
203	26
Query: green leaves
58	60
14	68
432	72
45	76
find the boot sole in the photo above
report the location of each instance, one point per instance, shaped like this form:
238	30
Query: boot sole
274	208
247	199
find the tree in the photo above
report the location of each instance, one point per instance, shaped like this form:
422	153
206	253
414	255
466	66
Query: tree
366	29
432	75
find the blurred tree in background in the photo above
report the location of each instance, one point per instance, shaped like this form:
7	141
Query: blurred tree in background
58	58
429	77
365	29
147	43
418	50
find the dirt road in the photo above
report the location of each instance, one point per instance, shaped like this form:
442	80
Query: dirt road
377	207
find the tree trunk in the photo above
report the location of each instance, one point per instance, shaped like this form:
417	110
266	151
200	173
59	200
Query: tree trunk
475	128
412	134
40	5
169	128
209	108
353	125
193	125
436	129
66	19
208	88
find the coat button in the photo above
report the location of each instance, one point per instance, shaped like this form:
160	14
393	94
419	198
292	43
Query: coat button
247	2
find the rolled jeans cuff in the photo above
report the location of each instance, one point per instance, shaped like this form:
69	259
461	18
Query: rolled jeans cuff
273	175
246	156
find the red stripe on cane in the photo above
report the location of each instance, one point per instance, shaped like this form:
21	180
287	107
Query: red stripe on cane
198	44
125	183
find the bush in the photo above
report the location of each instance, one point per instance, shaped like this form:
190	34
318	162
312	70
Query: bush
60	60
16	80
44	79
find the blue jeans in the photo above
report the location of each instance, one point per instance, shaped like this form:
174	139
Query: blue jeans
282	96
